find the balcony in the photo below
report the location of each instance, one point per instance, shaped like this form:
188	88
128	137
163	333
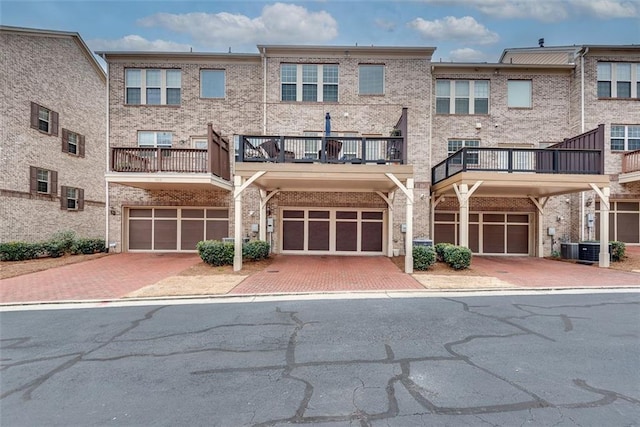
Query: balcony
172	168
630	167
316	149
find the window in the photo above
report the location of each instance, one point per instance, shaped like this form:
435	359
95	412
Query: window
618	80
462	96
72	143
154	139
153	87
43	181
44	120
212	83
625	137
519	94
454	145
71	198
309	82
371	80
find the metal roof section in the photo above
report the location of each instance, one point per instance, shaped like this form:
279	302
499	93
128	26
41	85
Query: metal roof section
342	51
63	34
557	54
448	67
112	56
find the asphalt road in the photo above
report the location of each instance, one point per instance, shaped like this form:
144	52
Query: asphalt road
460	361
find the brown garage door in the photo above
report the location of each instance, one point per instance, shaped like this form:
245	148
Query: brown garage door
333	231
624	221
489	233
174	229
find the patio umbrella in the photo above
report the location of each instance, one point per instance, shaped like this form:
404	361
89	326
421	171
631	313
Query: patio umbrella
327	125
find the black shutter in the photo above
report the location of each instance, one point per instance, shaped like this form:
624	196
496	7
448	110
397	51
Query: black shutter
63	197
53	175
65	140
80	146
33	179
53	124
80	199
35	111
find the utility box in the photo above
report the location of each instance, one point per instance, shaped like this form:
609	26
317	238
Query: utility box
422	242
569	250
590	251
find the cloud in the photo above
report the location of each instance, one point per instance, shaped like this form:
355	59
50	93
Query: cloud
135	42
385	25
467	55
278	23
547	10
451	28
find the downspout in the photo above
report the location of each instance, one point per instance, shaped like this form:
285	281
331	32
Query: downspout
431	207
107	210
582	124
264	91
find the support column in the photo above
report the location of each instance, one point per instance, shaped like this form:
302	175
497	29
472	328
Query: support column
388	198
540	204
262	227
604	194
237	224
463	199
408	244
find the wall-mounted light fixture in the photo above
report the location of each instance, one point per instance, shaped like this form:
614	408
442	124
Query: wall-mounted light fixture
112	211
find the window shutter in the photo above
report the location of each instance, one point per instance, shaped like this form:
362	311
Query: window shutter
80	199
35	110
54	182
54	124
65	140
81	145
63	197
33	179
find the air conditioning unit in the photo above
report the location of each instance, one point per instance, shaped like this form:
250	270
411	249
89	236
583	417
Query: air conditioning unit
590	251
569	250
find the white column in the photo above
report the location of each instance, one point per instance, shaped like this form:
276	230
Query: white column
540	204
263	216
237	225
463	200
408	244
604	227
389	225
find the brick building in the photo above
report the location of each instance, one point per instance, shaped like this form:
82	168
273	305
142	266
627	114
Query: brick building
361	150
52	136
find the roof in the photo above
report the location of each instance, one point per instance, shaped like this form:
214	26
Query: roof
182	56
54	33
332	51
555	54
487	66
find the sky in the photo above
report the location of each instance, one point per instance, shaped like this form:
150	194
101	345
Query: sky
461	30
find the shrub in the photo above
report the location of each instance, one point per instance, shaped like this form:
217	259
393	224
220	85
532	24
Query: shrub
20	251
423	257
440	247
255	250
457	257
618	250
63	240
88	246
215	252
54	248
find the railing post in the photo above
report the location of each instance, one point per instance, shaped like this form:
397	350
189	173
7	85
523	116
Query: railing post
241	148
323	149
510	160
464	159
554	166
209	148
158	159
281	153
364	150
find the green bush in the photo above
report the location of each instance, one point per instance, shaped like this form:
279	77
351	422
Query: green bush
255	250
215	252
88	246
63	240
457	257
618	250
54	248
440	247
20	251
423	257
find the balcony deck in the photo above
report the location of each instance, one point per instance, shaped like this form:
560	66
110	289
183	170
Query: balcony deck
630	167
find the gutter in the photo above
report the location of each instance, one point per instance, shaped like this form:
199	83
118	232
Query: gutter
264	90
106	184
584	51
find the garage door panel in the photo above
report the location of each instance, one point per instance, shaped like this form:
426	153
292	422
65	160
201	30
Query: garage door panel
293	235
140	234
474	238
165	235
191	233
372	236
493	239
318	236
216	230
444	233
629	227
517	239
347	236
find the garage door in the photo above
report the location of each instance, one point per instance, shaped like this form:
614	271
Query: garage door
624	221
174	229
489	233
337	231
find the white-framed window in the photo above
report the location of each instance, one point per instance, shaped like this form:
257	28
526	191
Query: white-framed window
625	137
153	86
462	96
72	198
212	83
200	142
519	93
454	145
370	79
618	80
44	119
147	139
309	82
43	181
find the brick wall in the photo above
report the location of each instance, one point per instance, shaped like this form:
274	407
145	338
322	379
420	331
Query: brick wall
52	71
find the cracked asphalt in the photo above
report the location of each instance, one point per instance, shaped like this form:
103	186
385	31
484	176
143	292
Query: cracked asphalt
565	360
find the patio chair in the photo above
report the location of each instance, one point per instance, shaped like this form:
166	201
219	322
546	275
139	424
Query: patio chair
333	151
272	150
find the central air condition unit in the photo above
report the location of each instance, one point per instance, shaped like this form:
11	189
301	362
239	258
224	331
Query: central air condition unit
569	250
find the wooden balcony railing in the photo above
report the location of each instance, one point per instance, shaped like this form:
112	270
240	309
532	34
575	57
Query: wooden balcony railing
631	162
519	160
316	149
214	159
